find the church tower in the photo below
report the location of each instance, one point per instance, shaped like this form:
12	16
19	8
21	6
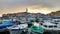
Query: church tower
26	10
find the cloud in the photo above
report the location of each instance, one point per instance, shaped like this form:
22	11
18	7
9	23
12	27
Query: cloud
12	3
7	6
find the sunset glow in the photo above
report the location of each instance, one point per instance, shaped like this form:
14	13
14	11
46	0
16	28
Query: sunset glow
31	9
36	9
44	11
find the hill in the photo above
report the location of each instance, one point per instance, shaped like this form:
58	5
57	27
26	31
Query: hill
22	14
57	13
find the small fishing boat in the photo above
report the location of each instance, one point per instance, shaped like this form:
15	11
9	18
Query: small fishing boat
5	24
17	29
36	29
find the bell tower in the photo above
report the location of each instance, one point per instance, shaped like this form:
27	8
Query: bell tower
26	10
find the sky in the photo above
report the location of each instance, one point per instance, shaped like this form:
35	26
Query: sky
34	6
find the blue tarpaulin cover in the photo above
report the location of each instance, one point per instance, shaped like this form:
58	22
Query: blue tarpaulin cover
6	24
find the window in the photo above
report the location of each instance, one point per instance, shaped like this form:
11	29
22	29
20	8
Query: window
50	26
45	25
55	26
